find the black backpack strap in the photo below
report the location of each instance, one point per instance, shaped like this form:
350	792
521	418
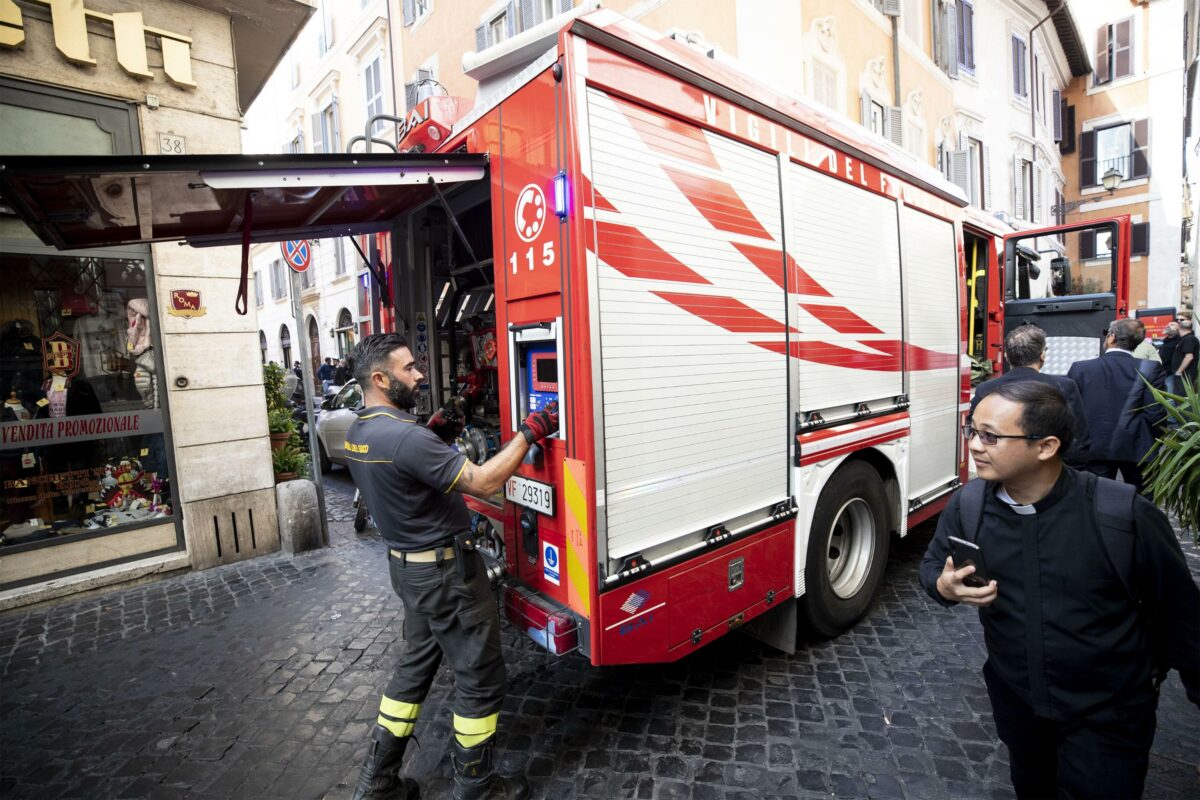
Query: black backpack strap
970	508
1113	502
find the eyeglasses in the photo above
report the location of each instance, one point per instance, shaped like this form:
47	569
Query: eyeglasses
990	439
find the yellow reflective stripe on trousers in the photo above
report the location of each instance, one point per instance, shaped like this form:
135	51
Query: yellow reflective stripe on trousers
396	728
397	716
398	708
472	732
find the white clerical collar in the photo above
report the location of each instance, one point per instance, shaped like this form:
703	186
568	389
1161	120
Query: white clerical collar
1117	350
1024	510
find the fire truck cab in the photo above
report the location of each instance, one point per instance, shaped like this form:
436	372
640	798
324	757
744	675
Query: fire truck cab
758	320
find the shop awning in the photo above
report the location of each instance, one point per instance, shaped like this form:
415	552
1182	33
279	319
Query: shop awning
100	201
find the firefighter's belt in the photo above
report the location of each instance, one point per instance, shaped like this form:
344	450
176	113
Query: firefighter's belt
423	556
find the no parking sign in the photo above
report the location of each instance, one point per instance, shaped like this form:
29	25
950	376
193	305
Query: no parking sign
297	254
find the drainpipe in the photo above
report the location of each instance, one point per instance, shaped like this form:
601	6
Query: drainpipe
391	68
896	59
1029	86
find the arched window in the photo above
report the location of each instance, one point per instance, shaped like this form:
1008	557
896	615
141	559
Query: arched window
346	337
314	346
262	346
285	345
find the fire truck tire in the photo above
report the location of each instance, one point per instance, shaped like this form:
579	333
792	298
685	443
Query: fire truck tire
847	550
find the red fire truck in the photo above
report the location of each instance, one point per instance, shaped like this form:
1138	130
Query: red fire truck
759	322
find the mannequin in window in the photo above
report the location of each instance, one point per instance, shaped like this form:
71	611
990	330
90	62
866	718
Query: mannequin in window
20	352
139	344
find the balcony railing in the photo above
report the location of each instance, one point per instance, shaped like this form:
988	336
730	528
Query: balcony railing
1121	165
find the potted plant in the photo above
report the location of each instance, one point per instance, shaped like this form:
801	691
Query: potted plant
1172	467
280	427
288	463
279	413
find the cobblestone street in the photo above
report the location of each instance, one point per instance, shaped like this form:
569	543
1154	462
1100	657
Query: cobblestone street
261	679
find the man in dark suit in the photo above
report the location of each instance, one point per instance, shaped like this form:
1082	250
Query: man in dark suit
1122	415
1025	352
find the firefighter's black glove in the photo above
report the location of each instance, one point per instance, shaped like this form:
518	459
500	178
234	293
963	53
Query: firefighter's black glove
540	424
447	422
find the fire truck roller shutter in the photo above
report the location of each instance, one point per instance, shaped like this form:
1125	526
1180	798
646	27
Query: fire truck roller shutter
695	412
846	240
931	286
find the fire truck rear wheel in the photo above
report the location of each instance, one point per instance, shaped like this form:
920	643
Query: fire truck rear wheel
847	549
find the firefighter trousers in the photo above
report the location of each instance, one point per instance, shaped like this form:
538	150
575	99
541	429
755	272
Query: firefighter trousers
445	616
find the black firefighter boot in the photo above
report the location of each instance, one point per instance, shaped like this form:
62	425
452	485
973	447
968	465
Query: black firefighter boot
474	778
380	779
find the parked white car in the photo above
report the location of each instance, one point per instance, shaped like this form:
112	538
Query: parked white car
336	415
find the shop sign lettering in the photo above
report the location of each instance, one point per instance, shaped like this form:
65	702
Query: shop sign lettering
43	432
69	19
186	303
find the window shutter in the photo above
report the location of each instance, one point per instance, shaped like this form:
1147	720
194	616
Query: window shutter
864	109
527	16
1087	243
1018	190
410	95
565	5
410	12
510	19
1056	102
1122	57
960	171
1016	66
894	120
1067	145
1035	213
1140	239
937	35
318	140
986	155
1087	158
335	146
891	8
481	41
951	28
968	33
1140	149
1100	73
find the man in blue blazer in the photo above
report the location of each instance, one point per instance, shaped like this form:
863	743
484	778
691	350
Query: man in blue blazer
1122	415
1025	353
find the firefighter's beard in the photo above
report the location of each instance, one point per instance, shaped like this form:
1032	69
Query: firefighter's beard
400	395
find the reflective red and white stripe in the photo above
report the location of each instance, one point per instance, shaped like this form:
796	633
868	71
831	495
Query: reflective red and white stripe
842	439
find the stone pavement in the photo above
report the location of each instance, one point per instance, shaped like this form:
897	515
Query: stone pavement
260	680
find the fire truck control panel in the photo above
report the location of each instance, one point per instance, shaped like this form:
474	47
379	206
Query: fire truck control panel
541	376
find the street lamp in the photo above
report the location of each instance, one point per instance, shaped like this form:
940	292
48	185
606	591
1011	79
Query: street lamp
1111	181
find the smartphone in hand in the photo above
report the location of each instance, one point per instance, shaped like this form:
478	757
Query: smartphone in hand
967	553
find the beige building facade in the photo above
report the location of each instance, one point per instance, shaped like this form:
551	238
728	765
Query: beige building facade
117	363
973	87
337	75
1123	121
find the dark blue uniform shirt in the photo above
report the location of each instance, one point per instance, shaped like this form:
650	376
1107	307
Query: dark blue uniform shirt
407	476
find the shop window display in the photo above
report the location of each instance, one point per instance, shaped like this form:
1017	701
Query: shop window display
81	428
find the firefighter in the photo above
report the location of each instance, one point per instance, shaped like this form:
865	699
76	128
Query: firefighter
413	484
